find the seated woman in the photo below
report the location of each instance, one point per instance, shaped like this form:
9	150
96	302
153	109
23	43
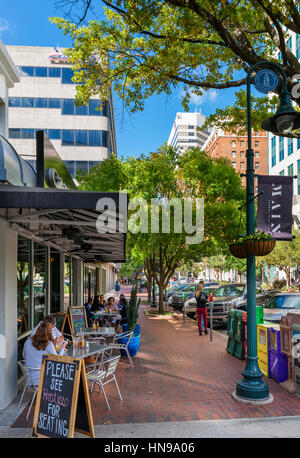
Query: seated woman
36	346
112	308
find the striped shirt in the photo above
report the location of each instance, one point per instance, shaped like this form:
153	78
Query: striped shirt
55	332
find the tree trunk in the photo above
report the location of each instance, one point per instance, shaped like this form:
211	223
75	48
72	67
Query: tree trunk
268	276
161	307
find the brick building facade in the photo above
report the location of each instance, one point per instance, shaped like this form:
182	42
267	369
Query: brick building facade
225	144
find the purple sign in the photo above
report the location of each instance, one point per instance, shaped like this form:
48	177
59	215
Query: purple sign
274	207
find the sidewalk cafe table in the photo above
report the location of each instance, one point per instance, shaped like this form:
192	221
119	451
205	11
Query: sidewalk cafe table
93	349
106	331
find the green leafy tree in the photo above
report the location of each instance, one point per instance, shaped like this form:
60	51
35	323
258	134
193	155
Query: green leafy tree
153	46
163	176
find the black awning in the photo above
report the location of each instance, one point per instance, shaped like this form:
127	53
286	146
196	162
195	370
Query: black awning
68	219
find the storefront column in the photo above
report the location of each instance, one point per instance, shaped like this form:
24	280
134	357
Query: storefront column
78	287
8	315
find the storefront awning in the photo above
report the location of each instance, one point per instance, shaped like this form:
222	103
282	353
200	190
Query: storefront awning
68	219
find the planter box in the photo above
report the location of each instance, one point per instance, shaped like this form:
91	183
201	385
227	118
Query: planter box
133	346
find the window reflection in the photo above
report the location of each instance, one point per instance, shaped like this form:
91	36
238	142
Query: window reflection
39	282
23	285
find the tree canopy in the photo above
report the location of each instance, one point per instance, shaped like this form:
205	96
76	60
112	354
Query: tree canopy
152	46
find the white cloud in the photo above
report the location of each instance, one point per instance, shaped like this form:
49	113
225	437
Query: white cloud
4	25
207	96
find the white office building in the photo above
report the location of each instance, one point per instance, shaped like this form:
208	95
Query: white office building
187	131
44	99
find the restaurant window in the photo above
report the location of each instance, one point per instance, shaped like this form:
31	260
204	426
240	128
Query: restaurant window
54	281
67	282
23	286
39	282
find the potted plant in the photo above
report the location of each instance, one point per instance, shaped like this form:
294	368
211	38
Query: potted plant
238	248
260	243
132	317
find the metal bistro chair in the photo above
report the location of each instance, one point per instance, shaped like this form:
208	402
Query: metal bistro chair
28	383
103	374
122	346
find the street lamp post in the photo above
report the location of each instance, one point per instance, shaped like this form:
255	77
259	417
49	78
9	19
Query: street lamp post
252	389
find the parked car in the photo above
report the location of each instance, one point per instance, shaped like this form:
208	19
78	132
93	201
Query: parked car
179	297
226	297
281	304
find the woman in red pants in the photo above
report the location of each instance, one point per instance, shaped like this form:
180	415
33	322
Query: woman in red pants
201	298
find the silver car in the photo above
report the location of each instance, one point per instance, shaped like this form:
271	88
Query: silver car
281	304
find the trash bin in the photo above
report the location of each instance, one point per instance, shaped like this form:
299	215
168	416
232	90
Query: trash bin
244	321
239	335
259	314
231	330
262	347
277	362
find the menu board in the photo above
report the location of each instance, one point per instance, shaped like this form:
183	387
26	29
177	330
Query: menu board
60	320
78	318
62	388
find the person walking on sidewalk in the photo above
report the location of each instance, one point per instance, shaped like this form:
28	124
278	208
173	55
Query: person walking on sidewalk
201	299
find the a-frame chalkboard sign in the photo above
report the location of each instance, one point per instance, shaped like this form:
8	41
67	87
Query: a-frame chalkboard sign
62	403
64	320
78	318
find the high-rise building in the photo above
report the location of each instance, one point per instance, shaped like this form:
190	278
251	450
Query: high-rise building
44	99
226	144
187	131
284	152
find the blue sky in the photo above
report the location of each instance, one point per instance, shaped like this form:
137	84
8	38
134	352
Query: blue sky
26	23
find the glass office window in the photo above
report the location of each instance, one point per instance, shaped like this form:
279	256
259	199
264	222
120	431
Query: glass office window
39	282
27	102
41	72
54	72
40	102
290	146
94	108
54	103
67	137
104	136
81	110
71	167
289	43
93	164
68	107
23	286
94	138
27	133
291	170
81	137
273	146
82	166
14	102
67	75
27	71
54	134
14	133
281	148
281	173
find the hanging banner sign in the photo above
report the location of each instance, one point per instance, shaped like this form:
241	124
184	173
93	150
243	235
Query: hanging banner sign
274	207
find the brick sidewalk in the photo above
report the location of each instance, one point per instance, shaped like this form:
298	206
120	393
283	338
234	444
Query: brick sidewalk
179	376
